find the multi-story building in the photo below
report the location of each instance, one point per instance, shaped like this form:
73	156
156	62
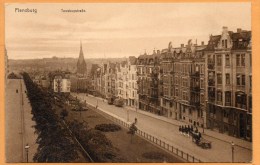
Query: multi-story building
132	82
122	81
61	83
148	82
182	83
229	83
229	69
111	80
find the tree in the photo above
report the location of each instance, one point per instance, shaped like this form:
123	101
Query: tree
132	130
64	113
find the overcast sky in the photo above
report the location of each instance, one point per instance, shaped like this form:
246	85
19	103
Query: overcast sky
116	30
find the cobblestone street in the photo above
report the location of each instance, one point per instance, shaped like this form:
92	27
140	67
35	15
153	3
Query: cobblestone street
169	133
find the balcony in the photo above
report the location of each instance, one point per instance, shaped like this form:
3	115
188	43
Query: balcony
211	82
211	66
195	89
227	103
195	103
213	116
196	74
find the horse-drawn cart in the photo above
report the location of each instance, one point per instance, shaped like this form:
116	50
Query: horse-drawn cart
203	143
200	141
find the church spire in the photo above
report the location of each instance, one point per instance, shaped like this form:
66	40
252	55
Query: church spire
81	54
81	65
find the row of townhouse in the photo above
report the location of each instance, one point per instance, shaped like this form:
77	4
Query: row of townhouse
116	80
209	86
206	85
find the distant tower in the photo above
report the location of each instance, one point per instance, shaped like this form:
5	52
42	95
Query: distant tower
81	64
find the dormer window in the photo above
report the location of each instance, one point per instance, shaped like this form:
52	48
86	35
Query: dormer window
225	43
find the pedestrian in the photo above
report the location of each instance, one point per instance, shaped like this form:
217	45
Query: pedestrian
185	130
182	129
188	130
199	135
191	128
196	130
135	120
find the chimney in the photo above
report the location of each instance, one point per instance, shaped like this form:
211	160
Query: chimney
202	43
225	29
182	45
239	30
158	51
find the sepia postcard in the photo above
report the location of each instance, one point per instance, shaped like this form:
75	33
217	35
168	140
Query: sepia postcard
128	82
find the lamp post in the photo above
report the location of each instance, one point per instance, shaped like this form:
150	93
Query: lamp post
127	115
232	149
203	123
27	150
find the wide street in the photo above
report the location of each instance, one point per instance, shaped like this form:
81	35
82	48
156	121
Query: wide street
18	123
169	133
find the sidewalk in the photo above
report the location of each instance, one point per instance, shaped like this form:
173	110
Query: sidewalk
18	123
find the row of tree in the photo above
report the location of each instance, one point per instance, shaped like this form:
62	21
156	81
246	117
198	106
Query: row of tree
55	143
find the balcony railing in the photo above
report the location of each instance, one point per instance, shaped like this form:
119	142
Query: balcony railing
195	103
211	66
196	74
195	89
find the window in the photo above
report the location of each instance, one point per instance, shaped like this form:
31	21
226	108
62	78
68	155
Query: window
238	59
243	80
250	82
227	79
201	83
196	68
250	104
241	100
242	59
227	60
227	98
225	43
238	79
202	69
176	92
183	96
219	96
219	79
202	98
219	62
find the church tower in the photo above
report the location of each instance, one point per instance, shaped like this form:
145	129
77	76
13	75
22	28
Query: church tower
81	64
